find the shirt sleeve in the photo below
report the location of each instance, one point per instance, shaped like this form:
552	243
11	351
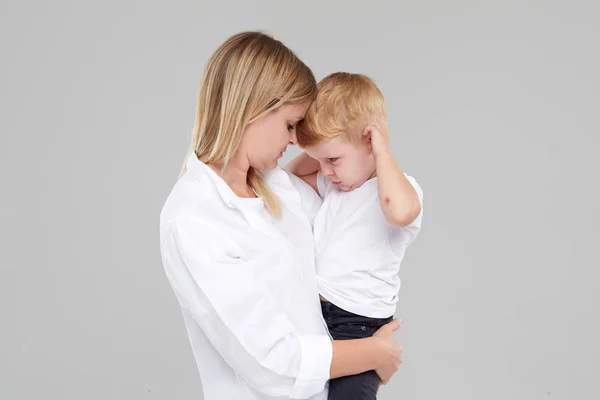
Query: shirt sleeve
322	184
217	286
311	202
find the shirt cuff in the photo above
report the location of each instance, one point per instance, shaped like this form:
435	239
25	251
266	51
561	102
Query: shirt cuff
316	354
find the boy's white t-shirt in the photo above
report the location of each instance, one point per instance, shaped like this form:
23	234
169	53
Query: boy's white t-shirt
358	253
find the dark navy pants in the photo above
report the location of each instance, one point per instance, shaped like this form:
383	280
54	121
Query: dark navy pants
344	325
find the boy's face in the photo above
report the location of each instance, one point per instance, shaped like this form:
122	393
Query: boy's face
348	164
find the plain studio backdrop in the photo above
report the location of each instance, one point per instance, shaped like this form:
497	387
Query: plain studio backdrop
493	107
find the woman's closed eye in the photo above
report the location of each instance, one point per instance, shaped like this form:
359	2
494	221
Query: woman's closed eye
290	127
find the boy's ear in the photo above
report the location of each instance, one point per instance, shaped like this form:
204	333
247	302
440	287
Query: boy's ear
367	135
367	138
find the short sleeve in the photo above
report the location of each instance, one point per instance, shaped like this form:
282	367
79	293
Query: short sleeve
323	184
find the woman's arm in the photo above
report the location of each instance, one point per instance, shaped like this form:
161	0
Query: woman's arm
381	353
215	286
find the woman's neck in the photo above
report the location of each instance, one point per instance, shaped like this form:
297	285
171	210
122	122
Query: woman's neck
236	176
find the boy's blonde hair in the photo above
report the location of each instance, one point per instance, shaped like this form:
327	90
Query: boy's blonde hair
346	103
248	76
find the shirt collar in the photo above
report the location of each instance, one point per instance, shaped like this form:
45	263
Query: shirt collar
202	173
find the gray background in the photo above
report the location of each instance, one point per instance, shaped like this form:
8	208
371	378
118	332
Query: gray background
494	108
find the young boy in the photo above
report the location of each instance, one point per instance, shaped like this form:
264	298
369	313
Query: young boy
371	212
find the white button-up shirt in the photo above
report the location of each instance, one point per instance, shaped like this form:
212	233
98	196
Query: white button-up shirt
247	287
358	253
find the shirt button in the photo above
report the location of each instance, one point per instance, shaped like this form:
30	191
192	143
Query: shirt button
364	328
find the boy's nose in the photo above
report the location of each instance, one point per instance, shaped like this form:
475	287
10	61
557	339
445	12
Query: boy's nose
326	171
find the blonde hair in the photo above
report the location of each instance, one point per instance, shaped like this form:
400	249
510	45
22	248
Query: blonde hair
345	104
248	76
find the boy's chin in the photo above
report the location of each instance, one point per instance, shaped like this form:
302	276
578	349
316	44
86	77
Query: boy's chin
342	187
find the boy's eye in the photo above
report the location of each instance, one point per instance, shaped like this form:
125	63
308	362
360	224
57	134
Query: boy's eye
332	159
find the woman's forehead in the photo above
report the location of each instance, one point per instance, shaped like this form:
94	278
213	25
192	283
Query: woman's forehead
295	109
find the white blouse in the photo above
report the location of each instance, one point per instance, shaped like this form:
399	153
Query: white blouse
247	286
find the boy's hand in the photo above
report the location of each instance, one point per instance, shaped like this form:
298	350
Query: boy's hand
379	137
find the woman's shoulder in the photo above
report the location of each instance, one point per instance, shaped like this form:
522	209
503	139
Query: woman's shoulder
190	198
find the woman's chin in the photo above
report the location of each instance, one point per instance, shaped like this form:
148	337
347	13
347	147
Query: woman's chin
269	165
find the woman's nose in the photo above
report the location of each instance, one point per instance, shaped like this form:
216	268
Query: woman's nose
293	137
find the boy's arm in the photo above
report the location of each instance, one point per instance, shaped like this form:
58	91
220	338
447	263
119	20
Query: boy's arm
398	198
305	167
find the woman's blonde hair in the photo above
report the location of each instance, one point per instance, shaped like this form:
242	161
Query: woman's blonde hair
248	76
345	104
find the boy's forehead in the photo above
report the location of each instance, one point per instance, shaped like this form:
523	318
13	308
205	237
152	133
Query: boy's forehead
324	149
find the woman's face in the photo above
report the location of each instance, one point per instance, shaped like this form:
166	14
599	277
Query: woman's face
266	139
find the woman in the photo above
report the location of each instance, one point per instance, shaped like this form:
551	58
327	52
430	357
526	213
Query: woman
236	239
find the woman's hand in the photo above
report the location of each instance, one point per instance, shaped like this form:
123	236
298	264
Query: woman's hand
391	351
